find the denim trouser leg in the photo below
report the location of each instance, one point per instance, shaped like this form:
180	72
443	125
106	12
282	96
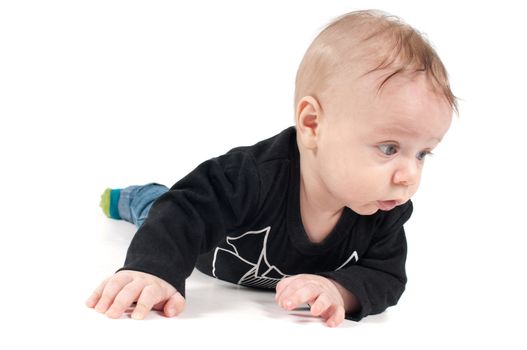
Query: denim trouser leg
135	201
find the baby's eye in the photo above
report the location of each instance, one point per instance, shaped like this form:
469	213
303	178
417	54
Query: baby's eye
422	155
388	149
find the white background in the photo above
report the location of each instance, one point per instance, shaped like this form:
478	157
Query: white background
97	94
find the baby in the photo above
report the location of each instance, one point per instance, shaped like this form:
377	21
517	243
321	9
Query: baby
317	211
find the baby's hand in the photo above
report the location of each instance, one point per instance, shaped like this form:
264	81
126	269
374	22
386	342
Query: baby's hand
319	292
117	293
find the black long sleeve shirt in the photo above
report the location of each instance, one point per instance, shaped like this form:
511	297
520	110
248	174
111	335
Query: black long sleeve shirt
237	218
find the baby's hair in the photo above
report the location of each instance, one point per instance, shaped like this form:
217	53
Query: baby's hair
371	37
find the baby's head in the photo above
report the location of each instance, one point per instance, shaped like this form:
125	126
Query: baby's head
372	100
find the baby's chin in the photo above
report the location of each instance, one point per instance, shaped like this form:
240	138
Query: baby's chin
366	209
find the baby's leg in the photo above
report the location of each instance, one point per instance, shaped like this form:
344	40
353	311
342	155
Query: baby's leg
132	203
135	201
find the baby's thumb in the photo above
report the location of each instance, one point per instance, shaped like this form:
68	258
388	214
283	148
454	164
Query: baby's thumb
174	305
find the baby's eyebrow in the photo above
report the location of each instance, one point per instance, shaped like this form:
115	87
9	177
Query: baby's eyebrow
397	130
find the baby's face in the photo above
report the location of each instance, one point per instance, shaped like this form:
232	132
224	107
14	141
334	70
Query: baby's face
373	145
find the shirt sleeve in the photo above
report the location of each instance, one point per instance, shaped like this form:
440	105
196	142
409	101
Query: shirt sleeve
193	216
378	279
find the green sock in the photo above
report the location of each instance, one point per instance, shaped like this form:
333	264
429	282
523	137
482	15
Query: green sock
109	203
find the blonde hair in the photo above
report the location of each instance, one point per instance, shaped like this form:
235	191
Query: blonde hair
371	37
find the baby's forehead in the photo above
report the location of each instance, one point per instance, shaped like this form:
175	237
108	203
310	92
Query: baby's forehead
408	104
383	85
386	87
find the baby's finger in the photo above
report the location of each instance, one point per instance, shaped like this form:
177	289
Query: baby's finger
280	287
174	305
150	296
96	295
285	286
125	298
321	304
112	287
293	298
282	283
337	317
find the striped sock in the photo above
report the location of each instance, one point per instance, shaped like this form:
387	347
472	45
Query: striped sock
109	203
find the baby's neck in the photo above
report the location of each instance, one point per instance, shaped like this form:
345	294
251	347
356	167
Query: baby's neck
318	222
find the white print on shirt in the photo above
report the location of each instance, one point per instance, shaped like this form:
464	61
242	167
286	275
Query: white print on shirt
261	273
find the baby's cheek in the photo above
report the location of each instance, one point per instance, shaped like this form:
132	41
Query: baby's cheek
413	189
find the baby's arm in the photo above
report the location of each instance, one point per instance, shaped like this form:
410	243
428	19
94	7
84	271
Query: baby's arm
118	292
327	298
188	220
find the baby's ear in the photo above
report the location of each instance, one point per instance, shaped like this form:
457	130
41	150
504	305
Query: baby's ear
307	118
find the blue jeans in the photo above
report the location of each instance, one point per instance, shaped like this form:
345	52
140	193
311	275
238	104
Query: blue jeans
135	202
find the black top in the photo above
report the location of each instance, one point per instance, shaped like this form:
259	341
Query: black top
237	218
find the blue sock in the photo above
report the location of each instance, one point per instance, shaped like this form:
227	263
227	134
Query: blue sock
114	204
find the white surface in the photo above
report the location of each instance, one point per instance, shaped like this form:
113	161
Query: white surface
106	93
